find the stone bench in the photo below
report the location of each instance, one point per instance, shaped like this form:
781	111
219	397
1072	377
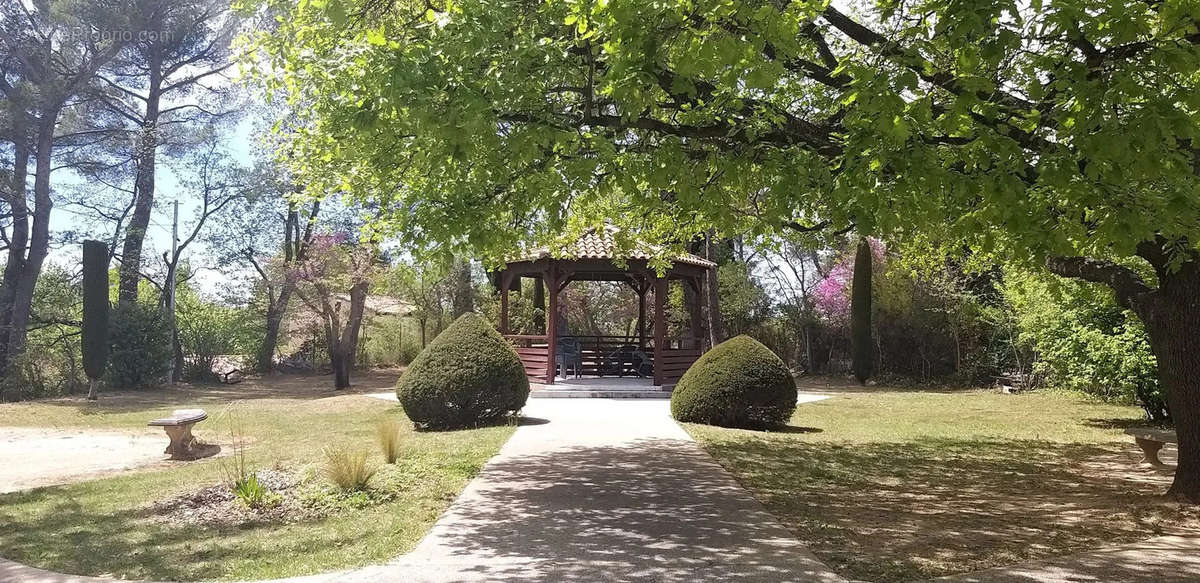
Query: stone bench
1151	441
179	428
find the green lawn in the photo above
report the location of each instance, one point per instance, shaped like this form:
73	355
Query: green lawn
890	486
102	527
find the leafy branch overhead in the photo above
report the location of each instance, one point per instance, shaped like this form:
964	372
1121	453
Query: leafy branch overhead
1047	126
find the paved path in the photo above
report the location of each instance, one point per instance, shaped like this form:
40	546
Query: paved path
590	491
609	490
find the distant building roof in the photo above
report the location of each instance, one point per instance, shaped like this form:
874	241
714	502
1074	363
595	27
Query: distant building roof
601	244
382	305
375	305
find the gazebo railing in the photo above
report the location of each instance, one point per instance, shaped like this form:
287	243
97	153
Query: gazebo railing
534	352
675	362
597	355
597	352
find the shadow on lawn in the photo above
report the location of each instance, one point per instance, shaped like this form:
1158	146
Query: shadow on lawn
96	541
1170	559
1122	423
906	511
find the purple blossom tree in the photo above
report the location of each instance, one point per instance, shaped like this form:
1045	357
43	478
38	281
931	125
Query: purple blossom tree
831	296
332	280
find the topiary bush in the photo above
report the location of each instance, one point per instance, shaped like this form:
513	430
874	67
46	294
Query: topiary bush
739	383
467	376
94	329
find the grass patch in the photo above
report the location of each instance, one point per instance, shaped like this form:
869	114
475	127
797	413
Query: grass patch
899	486
102	526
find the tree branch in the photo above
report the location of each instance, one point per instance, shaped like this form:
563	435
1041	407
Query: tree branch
1132	292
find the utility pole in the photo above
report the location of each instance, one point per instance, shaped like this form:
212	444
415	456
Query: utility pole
170	289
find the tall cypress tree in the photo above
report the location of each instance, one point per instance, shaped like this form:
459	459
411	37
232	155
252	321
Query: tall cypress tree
95	312
860	313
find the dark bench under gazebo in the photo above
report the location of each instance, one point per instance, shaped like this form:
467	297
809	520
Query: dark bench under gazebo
591	258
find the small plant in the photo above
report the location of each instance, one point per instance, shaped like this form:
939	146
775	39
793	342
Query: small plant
389	438
254	494
237	469
348	469
244	481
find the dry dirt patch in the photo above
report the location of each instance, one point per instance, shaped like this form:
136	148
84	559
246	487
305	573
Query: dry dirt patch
34	456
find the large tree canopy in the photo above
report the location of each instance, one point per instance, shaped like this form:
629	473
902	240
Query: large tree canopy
1065	127
1062	131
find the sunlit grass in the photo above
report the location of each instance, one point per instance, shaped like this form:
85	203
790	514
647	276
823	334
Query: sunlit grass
101	527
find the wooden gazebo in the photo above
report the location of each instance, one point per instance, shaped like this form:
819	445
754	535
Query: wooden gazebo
591	258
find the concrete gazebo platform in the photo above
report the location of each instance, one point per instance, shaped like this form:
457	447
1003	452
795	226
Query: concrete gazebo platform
602	388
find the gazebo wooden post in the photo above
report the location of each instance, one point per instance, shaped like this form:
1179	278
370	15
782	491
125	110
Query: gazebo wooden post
697	319
641	331
505	284
551	280
660	328
539	302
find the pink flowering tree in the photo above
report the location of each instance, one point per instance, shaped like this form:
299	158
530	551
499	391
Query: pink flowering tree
332	280
831	296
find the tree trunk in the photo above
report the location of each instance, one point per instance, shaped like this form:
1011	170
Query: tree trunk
863	355
808	353
18	240
343	339
146	154
1176	345
1171	313
1174	328
340	363
275	313
351	333
694	301
716	327
539	307
177	354
20	277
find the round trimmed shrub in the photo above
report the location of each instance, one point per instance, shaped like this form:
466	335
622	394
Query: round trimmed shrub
469	375
739	383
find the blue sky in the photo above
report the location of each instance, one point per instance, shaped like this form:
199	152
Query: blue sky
239	143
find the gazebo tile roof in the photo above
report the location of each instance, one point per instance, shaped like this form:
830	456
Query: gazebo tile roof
597	244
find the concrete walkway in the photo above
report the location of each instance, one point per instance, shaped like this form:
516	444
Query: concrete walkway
608	490
589	491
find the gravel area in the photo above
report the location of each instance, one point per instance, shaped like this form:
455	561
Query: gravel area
33	456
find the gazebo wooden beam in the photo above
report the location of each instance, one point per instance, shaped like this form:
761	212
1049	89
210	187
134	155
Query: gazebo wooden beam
565	278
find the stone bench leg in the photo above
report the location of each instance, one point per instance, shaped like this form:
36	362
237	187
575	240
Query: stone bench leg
1150	448
180	447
